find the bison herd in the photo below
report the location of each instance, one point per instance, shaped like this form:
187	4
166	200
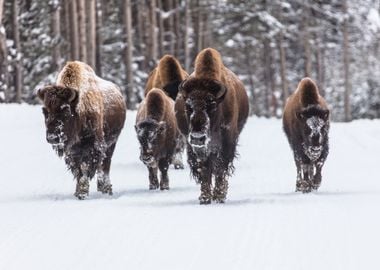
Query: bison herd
202	113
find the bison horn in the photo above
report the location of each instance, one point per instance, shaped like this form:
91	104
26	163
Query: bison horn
182	85
73	95
221	92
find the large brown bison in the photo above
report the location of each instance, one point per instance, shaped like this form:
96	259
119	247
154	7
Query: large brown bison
84	116
167	76
306	124
157	131
211	110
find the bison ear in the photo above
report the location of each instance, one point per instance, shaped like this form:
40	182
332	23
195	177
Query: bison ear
221	93
161	127
325	115
41	93
72	95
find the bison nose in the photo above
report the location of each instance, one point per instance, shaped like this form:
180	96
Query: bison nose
198	139
52	138
316	139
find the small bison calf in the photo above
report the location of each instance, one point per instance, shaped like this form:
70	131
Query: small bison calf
306	124
157	132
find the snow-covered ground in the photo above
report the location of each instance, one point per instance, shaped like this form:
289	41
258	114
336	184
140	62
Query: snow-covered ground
263	225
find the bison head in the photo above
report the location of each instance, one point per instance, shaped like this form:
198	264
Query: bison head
314	130
59	111
148	133
202	98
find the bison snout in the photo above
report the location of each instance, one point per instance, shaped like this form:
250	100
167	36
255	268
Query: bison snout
316	140
52	138
198	139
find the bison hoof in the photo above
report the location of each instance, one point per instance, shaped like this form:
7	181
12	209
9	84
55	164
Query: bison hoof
105	188
81	196
304	186
316	186
164	186
219	199
153	186
204	199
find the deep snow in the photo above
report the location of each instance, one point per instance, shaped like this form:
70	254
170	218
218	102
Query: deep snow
263	225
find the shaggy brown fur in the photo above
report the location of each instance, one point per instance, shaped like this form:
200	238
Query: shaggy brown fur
157	132
84	116
306	125
166	76
211	110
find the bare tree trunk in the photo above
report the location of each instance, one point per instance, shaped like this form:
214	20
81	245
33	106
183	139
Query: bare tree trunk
17	46
284	81
346	61
99	37
153	34
74	42
4	75
305	40
186	36
171	26
177	38
82	30
131	100
320	68
199	27
65	30
161	29
91	31
56	35
267	78
142	36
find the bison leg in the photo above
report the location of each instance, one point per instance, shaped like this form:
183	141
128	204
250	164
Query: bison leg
220	190
103	180
317	179
305	185
163	165
82	189
206	192
153	180
177	160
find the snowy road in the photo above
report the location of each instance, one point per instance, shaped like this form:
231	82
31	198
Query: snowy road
263	225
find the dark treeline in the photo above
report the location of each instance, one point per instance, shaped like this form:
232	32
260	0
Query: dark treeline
271	45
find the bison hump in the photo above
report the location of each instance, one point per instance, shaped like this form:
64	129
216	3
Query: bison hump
155	103
209	64
309	93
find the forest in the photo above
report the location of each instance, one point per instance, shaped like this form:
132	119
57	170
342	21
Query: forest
270	45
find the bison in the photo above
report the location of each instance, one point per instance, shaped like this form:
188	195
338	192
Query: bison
157	131
167	76
306	125
211	109
84	116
